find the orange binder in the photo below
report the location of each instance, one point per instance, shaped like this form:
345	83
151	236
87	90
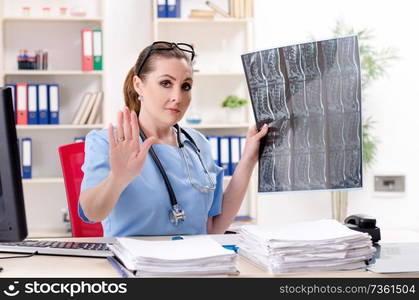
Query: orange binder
87	49
22	103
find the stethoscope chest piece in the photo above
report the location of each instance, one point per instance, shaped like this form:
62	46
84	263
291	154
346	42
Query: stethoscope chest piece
176	215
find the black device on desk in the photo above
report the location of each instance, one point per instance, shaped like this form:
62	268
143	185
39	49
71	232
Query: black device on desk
58	247
364	223
12	209
13	226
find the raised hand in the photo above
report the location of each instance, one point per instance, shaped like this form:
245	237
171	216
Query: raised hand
126	154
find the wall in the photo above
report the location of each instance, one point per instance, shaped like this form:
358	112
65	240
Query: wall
127	31
391	102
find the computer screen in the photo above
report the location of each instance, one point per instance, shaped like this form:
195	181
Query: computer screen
310	96
13	227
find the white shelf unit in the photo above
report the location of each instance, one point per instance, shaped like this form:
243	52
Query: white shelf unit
51	72
49	19
58	127
44	193
59	180
218	43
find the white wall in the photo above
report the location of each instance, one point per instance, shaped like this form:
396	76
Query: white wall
391	102
127	31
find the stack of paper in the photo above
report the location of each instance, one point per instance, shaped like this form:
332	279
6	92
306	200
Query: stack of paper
317	246
194	256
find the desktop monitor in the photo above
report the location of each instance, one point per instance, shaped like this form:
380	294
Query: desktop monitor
13	226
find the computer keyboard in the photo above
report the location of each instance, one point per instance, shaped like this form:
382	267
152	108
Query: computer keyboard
55	247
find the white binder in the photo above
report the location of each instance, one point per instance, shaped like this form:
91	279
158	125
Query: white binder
43	108
235	152
54	104
26	158
95	109
225	154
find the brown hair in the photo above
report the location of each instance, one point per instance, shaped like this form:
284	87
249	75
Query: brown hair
130	94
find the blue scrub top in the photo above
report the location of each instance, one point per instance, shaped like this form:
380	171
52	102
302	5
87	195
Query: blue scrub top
143	207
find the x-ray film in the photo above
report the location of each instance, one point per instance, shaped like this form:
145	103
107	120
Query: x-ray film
310	96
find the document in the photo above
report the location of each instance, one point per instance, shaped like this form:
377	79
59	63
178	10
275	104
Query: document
323	245
200	255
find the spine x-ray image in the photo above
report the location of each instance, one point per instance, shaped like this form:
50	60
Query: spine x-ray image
310	96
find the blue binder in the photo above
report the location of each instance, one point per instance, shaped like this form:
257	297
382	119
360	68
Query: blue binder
26	158
54	103
173	8
43	106
225	156
235	152
32	104
13	87
161	9
215	148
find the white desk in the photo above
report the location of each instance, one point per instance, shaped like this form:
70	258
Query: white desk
64	266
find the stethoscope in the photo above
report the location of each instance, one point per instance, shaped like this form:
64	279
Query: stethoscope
176	214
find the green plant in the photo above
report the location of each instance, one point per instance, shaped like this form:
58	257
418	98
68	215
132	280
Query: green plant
374	63
233	101
369	143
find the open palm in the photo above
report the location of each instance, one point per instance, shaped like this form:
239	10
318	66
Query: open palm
126	154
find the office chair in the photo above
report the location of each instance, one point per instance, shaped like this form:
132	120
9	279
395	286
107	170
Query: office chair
72	158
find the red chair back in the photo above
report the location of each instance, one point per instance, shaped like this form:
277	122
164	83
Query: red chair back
72	159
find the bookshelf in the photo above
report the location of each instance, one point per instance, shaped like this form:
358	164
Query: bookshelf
58	127
51	73
43	180
44	193
49	19
218	72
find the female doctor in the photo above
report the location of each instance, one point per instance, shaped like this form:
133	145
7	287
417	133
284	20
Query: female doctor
177	189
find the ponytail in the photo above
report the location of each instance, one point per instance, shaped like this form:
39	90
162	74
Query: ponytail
130	95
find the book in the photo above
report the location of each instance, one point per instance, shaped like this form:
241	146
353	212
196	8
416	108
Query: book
95	109
233	8
82	106
248	8
88	109
183	256
87	49
201	13
54	104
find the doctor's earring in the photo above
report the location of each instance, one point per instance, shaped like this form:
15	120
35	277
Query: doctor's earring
140	97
